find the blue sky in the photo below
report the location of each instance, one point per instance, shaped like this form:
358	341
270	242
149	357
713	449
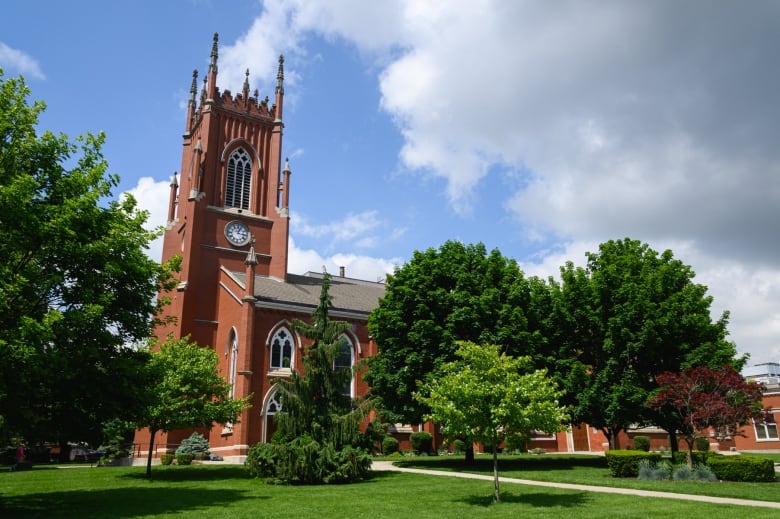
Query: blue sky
539	129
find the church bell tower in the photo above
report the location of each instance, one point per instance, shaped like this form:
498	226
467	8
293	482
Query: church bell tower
230	199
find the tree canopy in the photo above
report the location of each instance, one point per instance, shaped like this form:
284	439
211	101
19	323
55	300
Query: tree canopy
626	317
702	398
456	293
76	286
487	395
185	390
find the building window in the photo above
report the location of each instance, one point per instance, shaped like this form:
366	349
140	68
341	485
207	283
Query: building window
274	405
232	354
282	349
344	360
767	429
239	180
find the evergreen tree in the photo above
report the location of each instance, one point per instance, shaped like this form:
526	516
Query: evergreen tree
318	439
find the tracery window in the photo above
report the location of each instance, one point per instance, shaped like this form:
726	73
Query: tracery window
239	180
282	349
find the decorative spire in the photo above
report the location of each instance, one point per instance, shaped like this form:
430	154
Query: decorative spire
214	53
251	257
280	76
194	87
203	91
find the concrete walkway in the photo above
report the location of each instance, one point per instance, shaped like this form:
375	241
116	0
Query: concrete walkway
389	466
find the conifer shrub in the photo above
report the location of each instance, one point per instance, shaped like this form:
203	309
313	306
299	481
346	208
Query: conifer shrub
389	445
196	445
422	442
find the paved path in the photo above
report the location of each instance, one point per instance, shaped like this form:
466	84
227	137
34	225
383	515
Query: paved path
387	465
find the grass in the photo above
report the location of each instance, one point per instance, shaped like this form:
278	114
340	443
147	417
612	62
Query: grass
589	470
226	491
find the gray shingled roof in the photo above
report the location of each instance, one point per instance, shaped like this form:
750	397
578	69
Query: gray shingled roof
347	294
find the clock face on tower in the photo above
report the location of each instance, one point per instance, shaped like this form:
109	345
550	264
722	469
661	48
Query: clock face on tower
237	233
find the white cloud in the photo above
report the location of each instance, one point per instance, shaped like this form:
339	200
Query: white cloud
16	60
351	228
356	266
153	196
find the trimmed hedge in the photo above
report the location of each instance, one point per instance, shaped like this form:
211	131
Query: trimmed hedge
742	468
698	457
166	459
184	459
389	445
422	442
625	464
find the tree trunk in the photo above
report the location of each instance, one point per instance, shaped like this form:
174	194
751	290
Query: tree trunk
691	440
152	432
496	494
674	446
470	454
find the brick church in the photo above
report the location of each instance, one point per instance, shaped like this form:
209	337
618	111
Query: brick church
228	218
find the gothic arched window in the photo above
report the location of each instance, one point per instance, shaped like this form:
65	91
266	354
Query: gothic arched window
239	179
344	360
232	352
282	349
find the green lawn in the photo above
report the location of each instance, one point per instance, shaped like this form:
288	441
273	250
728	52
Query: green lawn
589	470
226	492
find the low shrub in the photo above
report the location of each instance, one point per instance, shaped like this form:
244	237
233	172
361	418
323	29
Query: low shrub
166	459
642	443
702	444
422	442
698	457
184	459
459	446
664	470
625	464
261	460
389	445
742	468
704	473
654	471
516	443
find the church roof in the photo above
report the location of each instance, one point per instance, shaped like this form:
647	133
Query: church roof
348	295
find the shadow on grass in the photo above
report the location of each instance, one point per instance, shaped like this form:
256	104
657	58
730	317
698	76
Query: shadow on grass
536	499
124	502
168	492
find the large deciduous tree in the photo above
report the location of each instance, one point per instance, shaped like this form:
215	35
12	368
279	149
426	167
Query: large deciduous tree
185	390
456	293
76	286
487	395
703	398
628	316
